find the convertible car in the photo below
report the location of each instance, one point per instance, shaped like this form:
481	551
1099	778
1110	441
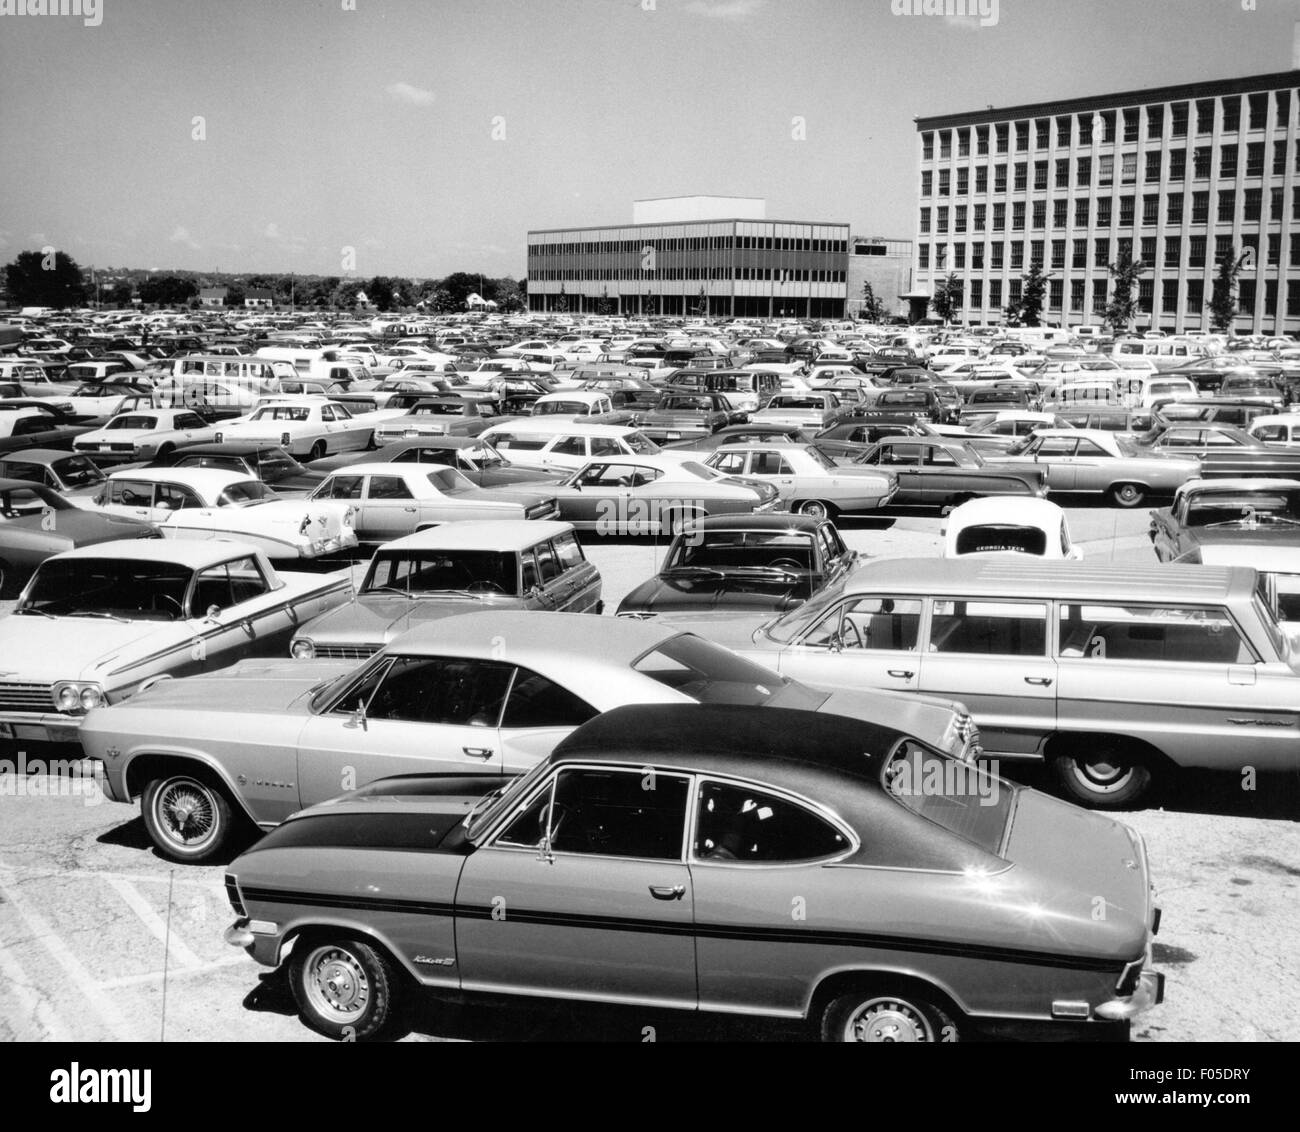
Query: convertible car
715	858
1252	514
96	624
486	693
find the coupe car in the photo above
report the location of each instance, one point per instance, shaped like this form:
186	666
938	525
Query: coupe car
1223	452
1250	513
808	482
64	472
938	472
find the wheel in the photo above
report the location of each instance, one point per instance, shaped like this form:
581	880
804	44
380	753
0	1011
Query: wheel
188	818
870	1016
1127	494
165	451
815	509
344	988
1105	776
372	443
318	451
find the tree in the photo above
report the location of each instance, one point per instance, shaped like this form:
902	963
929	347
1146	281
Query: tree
442	302
345	294
562	303
119	294
234	295
1223	300
605	305
947	297
461	284
1011	314
873	310
45	279
1033	295
167	290
1122	306
508	296
380	292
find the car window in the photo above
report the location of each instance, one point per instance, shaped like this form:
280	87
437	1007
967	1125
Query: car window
606	812
940	457
741	823
442	690
388	487
570	446
1182	634
771	464
1088	447
226	585
989	628
1056	446
869	623
731	463
340	487
569	551
175	497
964	799
536	701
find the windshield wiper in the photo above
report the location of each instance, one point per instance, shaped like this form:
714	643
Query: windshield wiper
39	612
709	570
98	613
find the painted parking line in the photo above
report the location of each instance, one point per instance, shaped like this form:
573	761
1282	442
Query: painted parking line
186	972
98	1002
47	1026
177	949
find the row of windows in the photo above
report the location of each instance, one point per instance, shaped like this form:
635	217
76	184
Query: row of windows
1111	125
776	274
1255	159
979	218
1195	294
692	244
1016	253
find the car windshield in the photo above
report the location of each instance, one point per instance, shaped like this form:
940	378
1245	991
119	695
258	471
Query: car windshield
567	408
134	423
75	471
711	674
502	800
115	588
1245	508
430	573
244	493
726	551
282	413
964	798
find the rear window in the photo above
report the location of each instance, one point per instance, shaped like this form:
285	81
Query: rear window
963	798
985	539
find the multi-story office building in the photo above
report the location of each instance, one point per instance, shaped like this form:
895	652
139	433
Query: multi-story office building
712	255
1179	176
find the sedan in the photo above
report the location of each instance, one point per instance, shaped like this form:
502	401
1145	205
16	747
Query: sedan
143	435
809	482
447	415
307	428
686	416
1222	451
942	472
474	457
812	411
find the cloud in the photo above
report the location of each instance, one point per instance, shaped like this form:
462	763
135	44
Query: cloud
724	9
273	231
182	236
414	95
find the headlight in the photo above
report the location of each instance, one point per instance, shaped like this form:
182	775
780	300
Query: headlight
91	697
73	697
302	649
67	698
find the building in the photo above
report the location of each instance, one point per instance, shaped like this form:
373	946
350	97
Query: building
715	256
885	264
212	296
1178	176
259	297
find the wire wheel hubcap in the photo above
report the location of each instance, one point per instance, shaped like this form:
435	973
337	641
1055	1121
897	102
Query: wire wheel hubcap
186	812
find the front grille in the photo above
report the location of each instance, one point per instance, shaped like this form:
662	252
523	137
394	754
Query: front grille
232	894
345	652
25	697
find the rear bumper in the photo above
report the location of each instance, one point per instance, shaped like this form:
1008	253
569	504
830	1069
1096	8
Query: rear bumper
1150	992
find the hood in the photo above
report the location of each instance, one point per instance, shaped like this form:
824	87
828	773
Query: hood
41	650
746	594
250	686
376	620
517	495
738	631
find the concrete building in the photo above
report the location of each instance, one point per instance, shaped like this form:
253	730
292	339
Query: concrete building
884	263
713	255
1178	176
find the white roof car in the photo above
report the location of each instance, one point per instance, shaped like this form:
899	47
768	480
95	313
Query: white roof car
142	434
306	426
561	444
1005	525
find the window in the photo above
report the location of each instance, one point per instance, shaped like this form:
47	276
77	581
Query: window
1100	253
1150	209
1076	295
927	183
1060	210
1103	212
1201	162
995	293
1293	297
1276	203
1295	253
1018	216
1131	125
963	181
1083	171
1173	249
1252	203
977	256
1080	255
977	290
740	823
609	813
981	140
1205	116
1153	165
997	253
925	221
927	146
1129	169
1275	247
1022	137
1085	129
1040	214
1222	247
1148	249
945	144
999	217
979	219
1227	205
1270	297
1062	172
1063	131
1042	133
1081	206
1016	287
1169	296
1177	164
1017	255
1040	174
1055	294
1295	203
1174	208
999	178
923	256
963	143
872	622
982	179
1161	634
340	487
1228	161
1058	253
1146	295
1257	105
422	689
945	176
1200	208
959	218
940	254
536	701
1036	253
1178	121
1231	114
1255	159
388	487
1124	246
989	628
1000	131
959	255
941	222
1196	251
1246	299
1283	100
1106	169
1022	176
227	585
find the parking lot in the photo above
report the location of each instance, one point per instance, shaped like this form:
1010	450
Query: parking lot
101	939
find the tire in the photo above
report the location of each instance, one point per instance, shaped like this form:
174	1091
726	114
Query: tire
187	817
165	451
318	451
343	988
877	1016
1103	776
372	443
815	509
1127	494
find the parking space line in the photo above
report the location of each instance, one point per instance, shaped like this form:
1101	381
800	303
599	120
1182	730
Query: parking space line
156	976
40	929
31	1002
179	950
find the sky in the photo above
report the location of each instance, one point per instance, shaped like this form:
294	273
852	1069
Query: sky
421	137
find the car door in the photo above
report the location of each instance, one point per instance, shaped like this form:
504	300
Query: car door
584	892
1057	455
405	715
905	461
389	507
581	578
866	641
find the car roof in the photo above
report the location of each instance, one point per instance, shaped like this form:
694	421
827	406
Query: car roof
37	455
1237	483
211	478
569	428
778	522
1007	509
196	554
484	534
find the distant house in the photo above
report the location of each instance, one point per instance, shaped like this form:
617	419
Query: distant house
475	302
259	297
212	296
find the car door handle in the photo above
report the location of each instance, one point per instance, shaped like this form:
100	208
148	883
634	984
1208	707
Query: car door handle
667	891
411	510
479	752
1041	681
901	673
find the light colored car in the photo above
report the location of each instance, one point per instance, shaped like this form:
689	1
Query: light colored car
1098	462
809	483
143	434
487	693
444	415
307	427
813	411
212	503
1281	430
1004	526
535	442
95	624
392	500
452	569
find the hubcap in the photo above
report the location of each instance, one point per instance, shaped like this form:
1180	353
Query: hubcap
186	812
337	984
814	510
1104	774
887	1020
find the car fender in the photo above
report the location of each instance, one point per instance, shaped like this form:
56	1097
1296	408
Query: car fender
849	972
121	767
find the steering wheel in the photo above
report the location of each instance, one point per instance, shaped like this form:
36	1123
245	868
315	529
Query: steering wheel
858	642
485	587
786	564
167	600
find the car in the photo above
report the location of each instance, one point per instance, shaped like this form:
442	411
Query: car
211	503
36	424
1280	430
1251	513
303	426
447	415
948	912
487	693
64	472
141	435
748	563
266	462
809	482
854	435
104	399
738	434
96	624
474	457
579	405
1224	452
942	472
811	411
659	495
1002	396
447	570
560	446
392	500
682	415
1002	526
1005	428
1097	462
1220	410
36	522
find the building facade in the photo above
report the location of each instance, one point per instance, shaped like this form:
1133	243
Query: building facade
725	267
1180	177
884	263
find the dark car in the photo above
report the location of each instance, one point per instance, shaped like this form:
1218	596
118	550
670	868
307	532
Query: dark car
36	522
267	462
933	472
476	459
1224	451
61	471
743	563
749	433
683	415
1222	410
1002	397
853	436
35	423
917	402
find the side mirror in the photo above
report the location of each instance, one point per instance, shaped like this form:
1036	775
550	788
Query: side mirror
358	717
211	612
544	852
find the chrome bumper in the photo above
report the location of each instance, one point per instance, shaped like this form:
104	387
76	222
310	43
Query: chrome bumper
1150	992
48	727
